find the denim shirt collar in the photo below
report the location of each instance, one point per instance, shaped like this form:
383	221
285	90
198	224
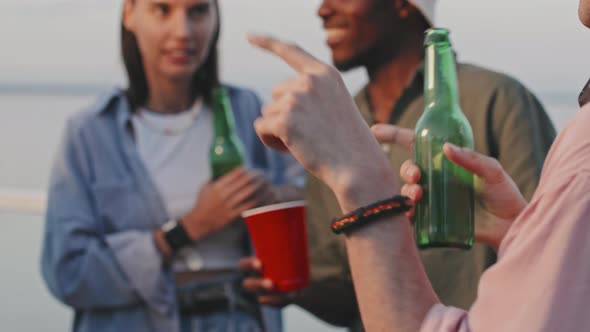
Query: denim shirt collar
117	102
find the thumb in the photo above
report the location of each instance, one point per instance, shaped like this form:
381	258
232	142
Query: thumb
386	133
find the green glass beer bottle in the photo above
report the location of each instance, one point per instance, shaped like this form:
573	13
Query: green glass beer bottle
444	216
226	152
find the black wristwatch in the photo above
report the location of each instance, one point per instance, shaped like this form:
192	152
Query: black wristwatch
175	235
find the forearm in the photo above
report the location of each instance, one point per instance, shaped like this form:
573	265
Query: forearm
390	282
93	273
391	286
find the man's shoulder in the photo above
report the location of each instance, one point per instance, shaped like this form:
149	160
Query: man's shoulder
576	138
578	125
474	77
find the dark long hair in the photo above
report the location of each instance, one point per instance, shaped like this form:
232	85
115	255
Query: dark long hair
204	80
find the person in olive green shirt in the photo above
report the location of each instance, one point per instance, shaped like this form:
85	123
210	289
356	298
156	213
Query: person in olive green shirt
385	37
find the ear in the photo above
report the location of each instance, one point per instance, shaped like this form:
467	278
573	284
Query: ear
403	8
129	15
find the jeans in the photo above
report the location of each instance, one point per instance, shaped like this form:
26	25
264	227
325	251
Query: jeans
236	321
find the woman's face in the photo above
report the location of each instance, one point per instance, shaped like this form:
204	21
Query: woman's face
174	36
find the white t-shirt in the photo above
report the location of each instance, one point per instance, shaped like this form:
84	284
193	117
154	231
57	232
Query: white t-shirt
175	150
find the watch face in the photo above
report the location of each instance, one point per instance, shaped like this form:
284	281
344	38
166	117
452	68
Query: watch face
175	235
169	225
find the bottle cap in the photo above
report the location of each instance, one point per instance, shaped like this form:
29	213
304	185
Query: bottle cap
436	35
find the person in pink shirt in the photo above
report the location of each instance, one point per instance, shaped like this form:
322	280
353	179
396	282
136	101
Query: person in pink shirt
541	281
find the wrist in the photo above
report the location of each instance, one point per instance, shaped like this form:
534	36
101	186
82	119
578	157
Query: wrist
195	225
175	235
185	222
354	189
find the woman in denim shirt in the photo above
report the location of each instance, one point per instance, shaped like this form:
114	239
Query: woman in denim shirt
137	160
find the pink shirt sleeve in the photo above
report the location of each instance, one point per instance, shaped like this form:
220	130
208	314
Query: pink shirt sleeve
541	281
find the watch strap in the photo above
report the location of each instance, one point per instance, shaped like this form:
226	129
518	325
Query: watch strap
175	235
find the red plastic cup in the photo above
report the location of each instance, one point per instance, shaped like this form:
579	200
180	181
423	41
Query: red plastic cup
279	235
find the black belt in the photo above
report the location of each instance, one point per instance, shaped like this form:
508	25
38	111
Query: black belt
207	297
206	308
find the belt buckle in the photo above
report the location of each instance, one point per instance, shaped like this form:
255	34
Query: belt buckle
202	299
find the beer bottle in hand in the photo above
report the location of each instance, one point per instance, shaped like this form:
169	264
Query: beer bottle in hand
226	151
445	215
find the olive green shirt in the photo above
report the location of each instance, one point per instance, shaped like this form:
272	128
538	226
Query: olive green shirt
508	123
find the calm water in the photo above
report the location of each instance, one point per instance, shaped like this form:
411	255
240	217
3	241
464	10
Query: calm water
30	130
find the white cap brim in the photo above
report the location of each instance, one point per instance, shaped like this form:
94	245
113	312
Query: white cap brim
426	7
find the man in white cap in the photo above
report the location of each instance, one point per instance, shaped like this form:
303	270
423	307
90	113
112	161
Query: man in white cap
386	38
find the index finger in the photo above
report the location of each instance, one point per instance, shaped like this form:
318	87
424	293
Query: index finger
292	54
481	165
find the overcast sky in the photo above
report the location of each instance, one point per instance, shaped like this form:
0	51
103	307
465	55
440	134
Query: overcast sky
540	42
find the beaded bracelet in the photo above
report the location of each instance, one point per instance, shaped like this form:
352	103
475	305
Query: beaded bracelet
394	205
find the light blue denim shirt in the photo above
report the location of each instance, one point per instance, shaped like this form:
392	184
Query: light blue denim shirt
98	255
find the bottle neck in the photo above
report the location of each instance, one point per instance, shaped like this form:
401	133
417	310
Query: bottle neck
440	82
222	117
